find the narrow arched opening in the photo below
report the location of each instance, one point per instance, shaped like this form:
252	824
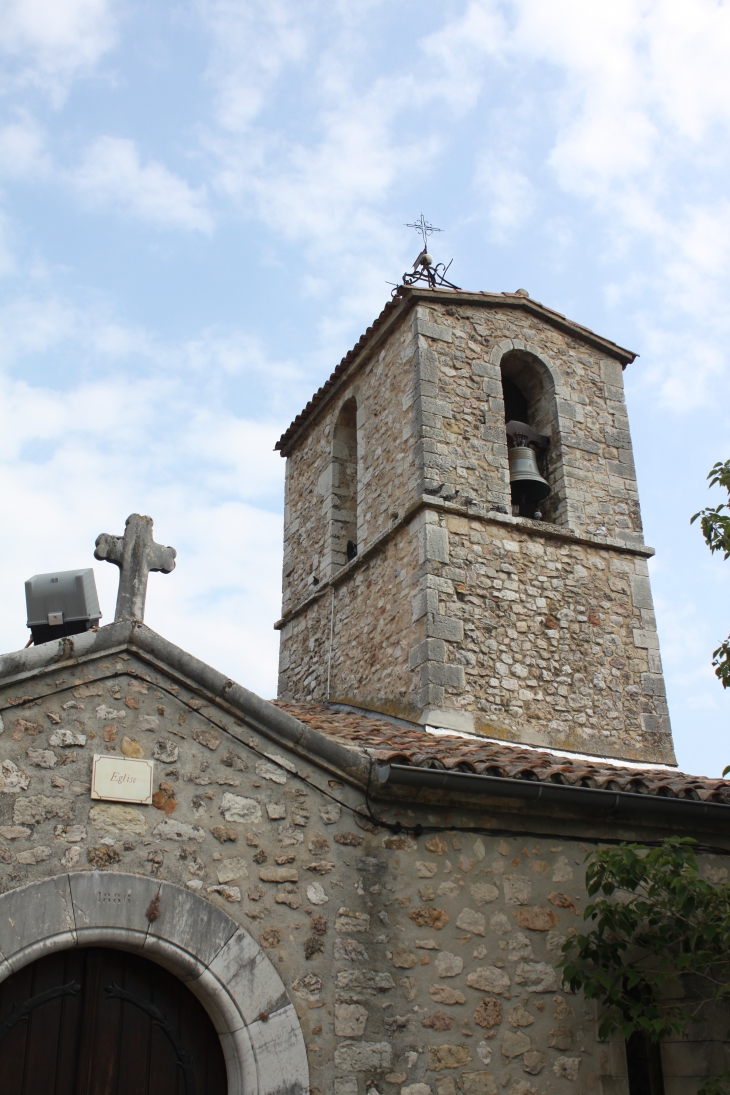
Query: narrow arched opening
529	414
343	536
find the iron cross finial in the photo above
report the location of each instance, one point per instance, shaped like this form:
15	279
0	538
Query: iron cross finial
136	554
426	229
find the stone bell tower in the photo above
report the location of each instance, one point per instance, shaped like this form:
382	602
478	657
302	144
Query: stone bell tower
421	582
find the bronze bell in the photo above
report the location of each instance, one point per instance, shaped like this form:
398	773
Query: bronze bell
526	482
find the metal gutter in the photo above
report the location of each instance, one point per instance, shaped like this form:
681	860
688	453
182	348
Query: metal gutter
624	804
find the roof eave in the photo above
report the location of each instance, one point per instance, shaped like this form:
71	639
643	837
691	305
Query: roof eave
396	310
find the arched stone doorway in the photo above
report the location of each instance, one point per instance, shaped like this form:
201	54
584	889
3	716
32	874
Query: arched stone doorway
101	1021
215	957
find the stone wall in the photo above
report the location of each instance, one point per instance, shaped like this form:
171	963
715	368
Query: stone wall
486	625
386	474
495	623
590	460
417	966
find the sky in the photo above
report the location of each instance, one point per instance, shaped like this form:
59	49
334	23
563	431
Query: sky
202	204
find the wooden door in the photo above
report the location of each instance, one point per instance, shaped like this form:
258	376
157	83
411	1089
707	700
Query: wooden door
97	1021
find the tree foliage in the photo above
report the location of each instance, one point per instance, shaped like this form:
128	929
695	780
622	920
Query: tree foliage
715	524
653	920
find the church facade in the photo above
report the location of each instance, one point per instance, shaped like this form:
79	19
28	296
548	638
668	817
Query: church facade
362	888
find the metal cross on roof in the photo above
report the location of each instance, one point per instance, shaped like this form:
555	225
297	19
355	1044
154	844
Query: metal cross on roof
424	268
426	229
136	554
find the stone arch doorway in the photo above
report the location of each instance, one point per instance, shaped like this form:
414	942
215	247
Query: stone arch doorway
217	959
98	1021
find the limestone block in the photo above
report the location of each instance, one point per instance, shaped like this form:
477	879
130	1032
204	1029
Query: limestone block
362	1056
348	920
433	544
484	892
231	869
479	1083
33	916
40	758
431	330
537	977
444	994
471	921
243	967
448	965
169	829
237	808
350	1020
489	1013
346	1086
560	1038
440	1057
489	979
517	890
444	627
365	982
33	809
109	817
534	1061
403	958
101	899
519	947
514	1044
536	918
13	780
567	1067
428	650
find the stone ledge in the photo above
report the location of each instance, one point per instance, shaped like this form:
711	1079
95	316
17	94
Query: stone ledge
473	513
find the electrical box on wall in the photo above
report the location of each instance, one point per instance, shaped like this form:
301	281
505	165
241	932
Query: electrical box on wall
61	603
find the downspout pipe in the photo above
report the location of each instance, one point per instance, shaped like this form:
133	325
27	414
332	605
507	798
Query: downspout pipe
613	804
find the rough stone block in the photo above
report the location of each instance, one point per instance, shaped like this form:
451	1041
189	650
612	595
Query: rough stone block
446	628
430	650
362	1056
434	544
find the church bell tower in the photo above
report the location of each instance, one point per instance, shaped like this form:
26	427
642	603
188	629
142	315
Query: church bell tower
462	539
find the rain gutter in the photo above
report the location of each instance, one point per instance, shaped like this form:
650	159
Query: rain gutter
623	804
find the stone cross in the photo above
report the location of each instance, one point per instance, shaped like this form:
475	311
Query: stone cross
136	554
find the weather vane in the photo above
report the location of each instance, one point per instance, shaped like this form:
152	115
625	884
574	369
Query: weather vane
424	269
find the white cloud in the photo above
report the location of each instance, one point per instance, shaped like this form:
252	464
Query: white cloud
111	176
49	42
507	194
145	436
22	149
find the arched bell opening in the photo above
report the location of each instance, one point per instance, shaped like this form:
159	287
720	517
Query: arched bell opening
343	526
529	412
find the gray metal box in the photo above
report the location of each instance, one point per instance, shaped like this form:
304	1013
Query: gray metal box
68	596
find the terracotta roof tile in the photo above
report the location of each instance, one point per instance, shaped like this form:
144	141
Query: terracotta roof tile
395	743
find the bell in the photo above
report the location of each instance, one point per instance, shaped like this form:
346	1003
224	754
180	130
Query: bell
526	482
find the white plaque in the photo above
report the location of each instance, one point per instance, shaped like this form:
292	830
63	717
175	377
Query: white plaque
121	779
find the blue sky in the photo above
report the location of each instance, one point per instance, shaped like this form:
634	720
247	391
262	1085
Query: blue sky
201	204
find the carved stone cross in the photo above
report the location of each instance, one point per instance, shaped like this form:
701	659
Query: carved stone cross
136	554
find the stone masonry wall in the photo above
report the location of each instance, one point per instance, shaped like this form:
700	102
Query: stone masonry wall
373	631
417	966
574	621
488	626
590	458
387	479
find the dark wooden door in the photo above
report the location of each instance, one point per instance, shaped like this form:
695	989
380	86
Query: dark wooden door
97	1021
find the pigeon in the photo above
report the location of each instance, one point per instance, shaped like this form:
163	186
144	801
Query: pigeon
434	490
